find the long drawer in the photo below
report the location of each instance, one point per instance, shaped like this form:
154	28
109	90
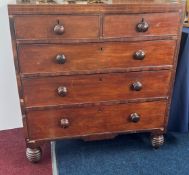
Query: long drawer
155	24
57	27
64	58
94	88
61	123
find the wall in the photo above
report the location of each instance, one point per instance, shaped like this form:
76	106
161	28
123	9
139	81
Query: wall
10	115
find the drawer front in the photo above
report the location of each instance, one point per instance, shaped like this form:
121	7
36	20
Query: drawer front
92	120
94	88
55	27
90	57
155	24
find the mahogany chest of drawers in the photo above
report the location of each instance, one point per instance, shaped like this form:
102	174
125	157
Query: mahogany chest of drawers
94	71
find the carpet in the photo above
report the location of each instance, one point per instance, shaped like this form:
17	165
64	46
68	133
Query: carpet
12	156
125	155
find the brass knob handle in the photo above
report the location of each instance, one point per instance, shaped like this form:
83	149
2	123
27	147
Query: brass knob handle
142	26
139	55
64	123
58	29
61	59
62	91
137	86
134	117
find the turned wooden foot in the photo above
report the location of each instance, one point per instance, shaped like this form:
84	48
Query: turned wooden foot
157	141
34	154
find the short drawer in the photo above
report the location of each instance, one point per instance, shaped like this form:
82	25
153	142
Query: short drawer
154	24
75	122
55	27
67	58
94	88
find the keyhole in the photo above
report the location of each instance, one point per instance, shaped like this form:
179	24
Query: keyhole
101	49
100	109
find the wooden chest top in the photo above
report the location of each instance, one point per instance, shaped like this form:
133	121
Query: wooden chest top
87	6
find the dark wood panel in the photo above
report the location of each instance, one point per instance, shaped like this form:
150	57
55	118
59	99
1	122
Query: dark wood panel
125	25
41	27
97	56
94	88
92	120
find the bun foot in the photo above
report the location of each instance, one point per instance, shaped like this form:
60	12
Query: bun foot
34	154
157	141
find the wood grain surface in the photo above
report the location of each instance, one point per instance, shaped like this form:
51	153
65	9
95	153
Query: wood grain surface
41	27
94	88
117	7
41	58
125	25
92	120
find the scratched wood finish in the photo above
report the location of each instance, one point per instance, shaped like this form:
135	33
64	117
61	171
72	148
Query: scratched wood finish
94	88
92	120
41	58
159	24
41	27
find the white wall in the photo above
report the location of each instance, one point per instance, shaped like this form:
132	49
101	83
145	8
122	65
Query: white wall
10	115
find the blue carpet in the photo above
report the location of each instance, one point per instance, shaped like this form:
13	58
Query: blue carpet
125	155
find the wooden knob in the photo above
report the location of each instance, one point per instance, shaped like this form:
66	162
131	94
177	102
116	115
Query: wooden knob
61	59
137	86
58	29
142	26
62	91
64	123
134	117
139	55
